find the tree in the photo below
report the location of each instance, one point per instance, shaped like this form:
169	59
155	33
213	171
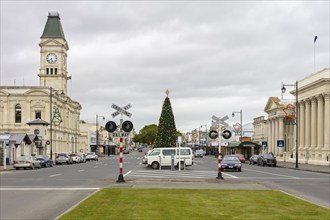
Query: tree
146	135
166	133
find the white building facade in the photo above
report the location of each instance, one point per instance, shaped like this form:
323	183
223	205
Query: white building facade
49	101
313	122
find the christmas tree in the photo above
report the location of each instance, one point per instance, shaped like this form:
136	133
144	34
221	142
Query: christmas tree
166	133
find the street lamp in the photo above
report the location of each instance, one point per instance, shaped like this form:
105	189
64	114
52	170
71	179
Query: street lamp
240	112
205	136
51	90
297	112
97	131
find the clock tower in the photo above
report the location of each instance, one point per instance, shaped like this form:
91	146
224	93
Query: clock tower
53	55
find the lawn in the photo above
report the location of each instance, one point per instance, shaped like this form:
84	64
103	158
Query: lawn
128	203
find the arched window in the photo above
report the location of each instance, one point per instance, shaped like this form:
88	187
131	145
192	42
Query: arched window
18	113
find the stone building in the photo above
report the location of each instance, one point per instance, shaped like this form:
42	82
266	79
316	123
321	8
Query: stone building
49	101
313	122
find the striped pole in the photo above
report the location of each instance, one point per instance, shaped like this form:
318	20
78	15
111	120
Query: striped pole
121	177
219	156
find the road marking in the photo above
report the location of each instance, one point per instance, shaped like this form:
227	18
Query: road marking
232	176
81	170
45	189
96	166
292	177
59	174
127	173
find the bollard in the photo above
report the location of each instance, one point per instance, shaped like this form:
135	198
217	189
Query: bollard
160	162
172	162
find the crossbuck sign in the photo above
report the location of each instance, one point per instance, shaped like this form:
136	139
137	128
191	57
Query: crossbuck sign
121	110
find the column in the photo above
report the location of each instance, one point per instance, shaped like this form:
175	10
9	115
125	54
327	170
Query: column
269	138
326	122
313	124
320	122
273	136
280	133
301	124
307	124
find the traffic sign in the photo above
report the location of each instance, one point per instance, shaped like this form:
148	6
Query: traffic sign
121	110
221	120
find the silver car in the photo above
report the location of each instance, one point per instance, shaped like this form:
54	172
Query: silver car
27	162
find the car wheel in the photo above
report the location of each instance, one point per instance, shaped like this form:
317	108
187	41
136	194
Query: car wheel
274	165
239	169
155	165
17	168
182	165
263	164
32	167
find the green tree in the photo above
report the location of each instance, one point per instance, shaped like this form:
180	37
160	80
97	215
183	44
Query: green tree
166	133
146	135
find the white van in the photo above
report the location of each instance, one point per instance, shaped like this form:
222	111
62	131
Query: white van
163	157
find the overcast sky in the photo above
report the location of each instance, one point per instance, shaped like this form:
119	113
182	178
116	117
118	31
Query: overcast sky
214	57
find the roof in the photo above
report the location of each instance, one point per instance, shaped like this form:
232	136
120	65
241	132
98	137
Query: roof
19	138
53	28
38	121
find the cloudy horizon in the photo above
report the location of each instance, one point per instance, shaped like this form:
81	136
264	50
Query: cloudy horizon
214	57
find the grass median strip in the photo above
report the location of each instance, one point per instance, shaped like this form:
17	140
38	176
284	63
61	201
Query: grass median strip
128	203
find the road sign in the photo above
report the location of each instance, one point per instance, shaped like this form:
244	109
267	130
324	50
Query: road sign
221	120
121	110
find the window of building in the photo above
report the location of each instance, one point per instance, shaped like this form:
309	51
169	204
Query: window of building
55	71
18	113
38	114
47	71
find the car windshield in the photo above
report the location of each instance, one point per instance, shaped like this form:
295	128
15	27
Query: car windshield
90	154
231	158
73	155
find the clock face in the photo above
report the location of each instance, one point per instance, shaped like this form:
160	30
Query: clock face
51	58
36	131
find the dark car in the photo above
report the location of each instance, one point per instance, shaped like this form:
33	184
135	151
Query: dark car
231	162
45	161
266	159
253	159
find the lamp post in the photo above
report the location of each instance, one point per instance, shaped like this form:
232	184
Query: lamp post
240	112
97	131
205	136
51	90
297	112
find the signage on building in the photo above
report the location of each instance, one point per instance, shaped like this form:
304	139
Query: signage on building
280	143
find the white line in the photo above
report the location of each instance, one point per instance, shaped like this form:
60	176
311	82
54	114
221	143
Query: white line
39	189
81	170
59	174
96	166
292	177
230	175
127	173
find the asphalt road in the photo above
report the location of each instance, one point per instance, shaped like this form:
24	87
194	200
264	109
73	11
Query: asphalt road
48	192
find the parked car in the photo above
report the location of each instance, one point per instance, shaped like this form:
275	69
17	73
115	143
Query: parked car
241	157
45	161
126	151
266	159
231	162
75	158
253	159
200	153
145	158
62	158
91	156
27	162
